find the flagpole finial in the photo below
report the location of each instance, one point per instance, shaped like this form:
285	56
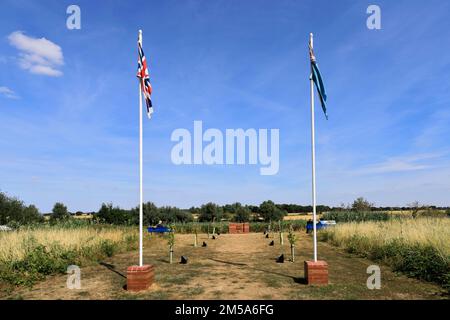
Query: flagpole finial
311	39
140	36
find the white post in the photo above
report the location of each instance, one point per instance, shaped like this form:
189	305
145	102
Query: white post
141	193
313	151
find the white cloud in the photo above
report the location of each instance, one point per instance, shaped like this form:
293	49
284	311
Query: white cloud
39	56
396	165
400	164
8	93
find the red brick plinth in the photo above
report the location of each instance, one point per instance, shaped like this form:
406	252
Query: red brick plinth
316	272
140	278
239	227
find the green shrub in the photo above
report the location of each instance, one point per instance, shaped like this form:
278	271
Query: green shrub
108	248
38	262
131	241
415	260
422	262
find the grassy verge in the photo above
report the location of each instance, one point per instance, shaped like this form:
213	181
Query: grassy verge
29	254
356	216
419	248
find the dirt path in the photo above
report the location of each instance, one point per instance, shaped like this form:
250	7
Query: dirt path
233	267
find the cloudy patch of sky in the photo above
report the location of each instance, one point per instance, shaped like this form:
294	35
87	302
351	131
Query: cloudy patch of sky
8	93
37	55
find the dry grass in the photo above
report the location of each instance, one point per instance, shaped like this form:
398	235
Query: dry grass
13	245
434	232
28	255
419	248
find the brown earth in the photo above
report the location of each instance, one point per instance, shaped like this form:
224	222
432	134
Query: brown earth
240	266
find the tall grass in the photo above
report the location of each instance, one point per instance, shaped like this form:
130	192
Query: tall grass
356	216
419	247
28	254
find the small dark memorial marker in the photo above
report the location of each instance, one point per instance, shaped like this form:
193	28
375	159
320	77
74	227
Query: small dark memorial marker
267	236
218	233
213	237
184	260
280	259
271	243
204	244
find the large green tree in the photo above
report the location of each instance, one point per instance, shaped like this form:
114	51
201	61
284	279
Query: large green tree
242	214
270	212
14	211
174	214
210	212
59	212
152	215
109	213
361	205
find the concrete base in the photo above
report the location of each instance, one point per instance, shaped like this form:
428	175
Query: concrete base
140	278
316	272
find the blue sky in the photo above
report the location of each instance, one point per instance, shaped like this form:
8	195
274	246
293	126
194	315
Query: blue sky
69	131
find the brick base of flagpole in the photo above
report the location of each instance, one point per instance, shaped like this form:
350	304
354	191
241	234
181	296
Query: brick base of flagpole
140	278
316	272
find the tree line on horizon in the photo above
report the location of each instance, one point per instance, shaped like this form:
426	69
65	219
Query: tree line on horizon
14	211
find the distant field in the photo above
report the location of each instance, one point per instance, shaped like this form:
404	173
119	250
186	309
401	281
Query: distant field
299	216
80	217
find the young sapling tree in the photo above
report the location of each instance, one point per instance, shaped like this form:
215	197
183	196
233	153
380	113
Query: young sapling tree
214	228
292	238
195	234
208	229
171	242
270	227
280	229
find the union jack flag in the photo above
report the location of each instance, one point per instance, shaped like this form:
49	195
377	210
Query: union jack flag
144	78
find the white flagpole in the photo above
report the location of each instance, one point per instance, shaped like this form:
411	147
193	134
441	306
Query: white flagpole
141	193
313	152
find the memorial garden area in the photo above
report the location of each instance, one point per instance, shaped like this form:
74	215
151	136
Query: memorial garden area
226	250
